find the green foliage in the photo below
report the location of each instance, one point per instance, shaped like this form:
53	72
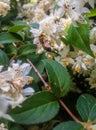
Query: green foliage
38	108
58	77
92	13
15	127
86	106
26	49
4	60
16	43
70	125
17	28
78	37
10	49
6	37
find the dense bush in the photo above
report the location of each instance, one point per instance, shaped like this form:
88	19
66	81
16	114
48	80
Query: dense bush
47	65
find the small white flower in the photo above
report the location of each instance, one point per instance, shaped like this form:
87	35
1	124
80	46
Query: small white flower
4	8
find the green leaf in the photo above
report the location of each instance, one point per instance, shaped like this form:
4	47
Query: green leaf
70	125
92	13
26	49
58	77
86	106
6	38
15	127
11	50
79	37
17	28
38	108
3	58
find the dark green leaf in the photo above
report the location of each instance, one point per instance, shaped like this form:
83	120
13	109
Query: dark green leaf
70	125
58	77
86	106
38	108
6	38
79	37
17	28
11	50
15	127
26	49
3	58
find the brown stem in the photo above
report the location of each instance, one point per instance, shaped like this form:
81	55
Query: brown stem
69	112
49	88
39	75
12	58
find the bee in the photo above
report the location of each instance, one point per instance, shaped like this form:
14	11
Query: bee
45	42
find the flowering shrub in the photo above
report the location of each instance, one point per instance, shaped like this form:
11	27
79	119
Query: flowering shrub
47	65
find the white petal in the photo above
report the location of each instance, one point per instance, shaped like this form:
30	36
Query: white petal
25	68
92	3
28	91
6	116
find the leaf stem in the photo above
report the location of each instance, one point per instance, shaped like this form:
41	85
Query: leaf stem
39	75
69	112
49	88
12	58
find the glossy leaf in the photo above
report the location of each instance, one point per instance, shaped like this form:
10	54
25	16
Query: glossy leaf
6	38
79	37
86	106
38	108
11	50
58	77
4	60
70	125
17	28
26	49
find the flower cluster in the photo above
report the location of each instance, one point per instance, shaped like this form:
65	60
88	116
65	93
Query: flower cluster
4	7
12	83
53	17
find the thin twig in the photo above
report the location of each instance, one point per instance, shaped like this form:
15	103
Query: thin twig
48	88
12	58
39	75
69	112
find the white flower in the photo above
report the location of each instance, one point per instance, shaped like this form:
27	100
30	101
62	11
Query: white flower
79	64
93	35
4	8
72	8
93	48
13	80
91	2
3	127
48	25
